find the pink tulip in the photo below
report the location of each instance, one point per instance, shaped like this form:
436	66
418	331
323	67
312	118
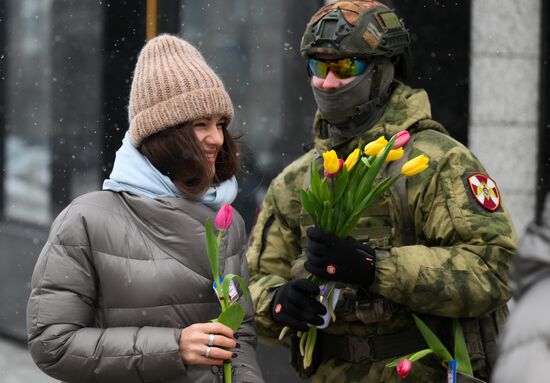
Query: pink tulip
224	218
403	368
401	139
340	166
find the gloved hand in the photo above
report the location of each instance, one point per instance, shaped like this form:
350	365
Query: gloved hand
337	259
294	305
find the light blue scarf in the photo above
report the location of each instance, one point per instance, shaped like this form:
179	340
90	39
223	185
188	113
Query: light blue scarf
133	173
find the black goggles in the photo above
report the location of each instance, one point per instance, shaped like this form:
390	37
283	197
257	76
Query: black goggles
342	68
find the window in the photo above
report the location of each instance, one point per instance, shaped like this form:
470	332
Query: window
27	175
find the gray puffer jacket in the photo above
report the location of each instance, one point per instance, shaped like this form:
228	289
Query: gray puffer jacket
525	343
117	280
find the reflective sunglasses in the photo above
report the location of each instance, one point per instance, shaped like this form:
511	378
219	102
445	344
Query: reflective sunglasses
342	68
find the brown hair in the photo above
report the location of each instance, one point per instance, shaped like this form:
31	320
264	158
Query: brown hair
177	154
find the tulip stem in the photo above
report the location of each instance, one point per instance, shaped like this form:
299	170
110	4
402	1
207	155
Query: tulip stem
223	300
227	372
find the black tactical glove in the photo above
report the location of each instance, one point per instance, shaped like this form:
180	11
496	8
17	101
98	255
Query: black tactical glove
336	259
294	305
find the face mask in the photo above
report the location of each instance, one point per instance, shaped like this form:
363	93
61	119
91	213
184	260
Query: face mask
337	106
340	106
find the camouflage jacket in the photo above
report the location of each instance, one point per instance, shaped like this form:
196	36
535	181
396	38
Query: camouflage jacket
456	266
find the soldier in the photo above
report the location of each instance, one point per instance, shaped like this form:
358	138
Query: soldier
438	245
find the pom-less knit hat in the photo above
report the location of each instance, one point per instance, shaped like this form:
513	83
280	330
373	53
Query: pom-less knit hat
173	84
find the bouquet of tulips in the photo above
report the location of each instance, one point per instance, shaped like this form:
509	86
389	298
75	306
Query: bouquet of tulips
232	313
460	363
337	200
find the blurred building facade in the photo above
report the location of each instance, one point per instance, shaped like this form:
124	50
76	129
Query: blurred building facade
65	75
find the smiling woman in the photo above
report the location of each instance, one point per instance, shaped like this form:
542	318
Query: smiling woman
124	276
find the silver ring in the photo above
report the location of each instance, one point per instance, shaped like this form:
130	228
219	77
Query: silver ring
211	340
207	353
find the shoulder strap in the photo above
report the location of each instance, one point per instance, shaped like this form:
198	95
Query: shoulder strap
407	224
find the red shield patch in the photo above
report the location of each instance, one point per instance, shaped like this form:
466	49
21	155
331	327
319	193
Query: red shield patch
485	191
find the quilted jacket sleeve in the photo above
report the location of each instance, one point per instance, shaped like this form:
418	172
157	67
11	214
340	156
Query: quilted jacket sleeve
60	316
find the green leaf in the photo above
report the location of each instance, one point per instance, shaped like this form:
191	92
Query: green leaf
385	184
432	340
315	200
242	284
461	350
310	346
212	248
370	198
365	202
308	205
324	192
349	224
330	219
419	355
232	316
315	180
324	216
318	209
395	362
366	183
413	357
349	201
356	174
336	217
339	185
366	161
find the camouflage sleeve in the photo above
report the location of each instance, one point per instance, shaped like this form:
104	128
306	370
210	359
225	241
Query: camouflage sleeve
460	266
275	244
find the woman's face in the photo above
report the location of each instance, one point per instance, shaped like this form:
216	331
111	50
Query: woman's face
209	132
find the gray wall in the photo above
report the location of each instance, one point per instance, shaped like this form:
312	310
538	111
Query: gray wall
504	96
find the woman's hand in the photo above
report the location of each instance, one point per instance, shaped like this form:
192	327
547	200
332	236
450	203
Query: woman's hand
194	340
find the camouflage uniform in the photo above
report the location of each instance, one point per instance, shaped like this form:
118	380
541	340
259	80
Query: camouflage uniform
456	265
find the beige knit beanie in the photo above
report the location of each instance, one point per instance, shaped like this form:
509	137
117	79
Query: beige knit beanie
173	84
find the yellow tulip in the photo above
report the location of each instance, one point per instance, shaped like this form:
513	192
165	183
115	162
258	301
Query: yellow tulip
352	159
416	165
395	154
330	162
374	147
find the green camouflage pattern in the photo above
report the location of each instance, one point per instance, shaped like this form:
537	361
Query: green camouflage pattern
355	28
458	265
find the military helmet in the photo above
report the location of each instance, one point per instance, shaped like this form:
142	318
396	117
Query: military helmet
356	28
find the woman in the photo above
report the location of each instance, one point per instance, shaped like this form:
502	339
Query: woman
122	290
